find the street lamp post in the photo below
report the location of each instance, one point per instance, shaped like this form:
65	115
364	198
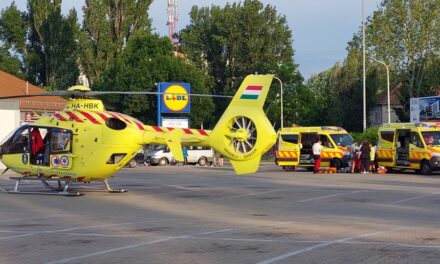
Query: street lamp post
388	87
364	81
281	98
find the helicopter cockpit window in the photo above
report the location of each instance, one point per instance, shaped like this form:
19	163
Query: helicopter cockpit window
18	143
60	141
115	123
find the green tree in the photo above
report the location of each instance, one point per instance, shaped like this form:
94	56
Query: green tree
12	36
10	63
405	34
338	92
108	25
239	39
43	40
146	60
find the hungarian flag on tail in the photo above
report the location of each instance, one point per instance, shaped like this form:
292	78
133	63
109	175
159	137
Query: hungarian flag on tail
251	92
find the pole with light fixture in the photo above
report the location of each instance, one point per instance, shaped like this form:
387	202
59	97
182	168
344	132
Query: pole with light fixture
281	98
364	81
388	87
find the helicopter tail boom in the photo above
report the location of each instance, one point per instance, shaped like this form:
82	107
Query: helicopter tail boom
175	138
242	134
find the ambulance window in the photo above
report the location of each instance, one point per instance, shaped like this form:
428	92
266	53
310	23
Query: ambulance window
344	140
416	140
432	138
387	136
60	140
292	138
326	141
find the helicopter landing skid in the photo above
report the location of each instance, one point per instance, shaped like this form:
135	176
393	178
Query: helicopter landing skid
110	189
59	190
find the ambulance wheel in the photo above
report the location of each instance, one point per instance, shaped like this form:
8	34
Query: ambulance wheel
335	163
309	168
425	168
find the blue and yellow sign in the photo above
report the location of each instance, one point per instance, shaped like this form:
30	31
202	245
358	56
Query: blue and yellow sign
174	97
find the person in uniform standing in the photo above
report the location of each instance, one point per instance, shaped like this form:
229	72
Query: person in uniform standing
317	149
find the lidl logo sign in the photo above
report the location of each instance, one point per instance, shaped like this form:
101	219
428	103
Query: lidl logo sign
175	97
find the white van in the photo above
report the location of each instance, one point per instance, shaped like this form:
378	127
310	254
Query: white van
196	155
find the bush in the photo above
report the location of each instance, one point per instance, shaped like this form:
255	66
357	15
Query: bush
370	134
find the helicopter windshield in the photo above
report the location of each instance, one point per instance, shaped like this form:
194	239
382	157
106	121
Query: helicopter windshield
8	136
18	142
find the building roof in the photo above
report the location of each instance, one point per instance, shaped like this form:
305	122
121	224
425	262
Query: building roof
11	86
382	98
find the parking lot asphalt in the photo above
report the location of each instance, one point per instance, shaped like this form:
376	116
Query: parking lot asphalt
210	215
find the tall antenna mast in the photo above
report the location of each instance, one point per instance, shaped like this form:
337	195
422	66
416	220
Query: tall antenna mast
173	17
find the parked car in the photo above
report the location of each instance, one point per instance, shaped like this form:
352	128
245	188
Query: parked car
139	159
196	155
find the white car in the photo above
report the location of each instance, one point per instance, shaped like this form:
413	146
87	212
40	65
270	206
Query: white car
196	155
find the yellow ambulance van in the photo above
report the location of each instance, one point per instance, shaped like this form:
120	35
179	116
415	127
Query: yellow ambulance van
294	147
409	146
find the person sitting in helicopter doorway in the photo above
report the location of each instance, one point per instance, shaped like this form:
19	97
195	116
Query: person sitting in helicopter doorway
185	155
37	147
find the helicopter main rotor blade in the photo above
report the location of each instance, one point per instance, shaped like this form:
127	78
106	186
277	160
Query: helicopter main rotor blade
56	93
94	93
83	94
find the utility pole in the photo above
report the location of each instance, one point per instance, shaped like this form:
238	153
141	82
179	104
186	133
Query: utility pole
364	78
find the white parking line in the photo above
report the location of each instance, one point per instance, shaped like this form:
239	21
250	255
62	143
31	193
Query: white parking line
146	243
328	243
289	241
98	253
415	198
259	240
255	193
327	196
31	233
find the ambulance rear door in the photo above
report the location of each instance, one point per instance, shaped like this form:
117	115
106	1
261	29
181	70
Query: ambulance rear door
288	149
386	152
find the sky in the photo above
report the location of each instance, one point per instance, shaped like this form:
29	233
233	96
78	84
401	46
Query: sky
321	28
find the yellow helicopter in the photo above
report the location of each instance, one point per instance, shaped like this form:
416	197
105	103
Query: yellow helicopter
85	143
